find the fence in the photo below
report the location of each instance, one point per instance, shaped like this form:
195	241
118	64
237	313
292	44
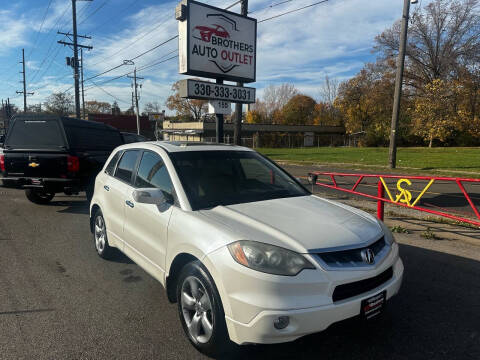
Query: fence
403	196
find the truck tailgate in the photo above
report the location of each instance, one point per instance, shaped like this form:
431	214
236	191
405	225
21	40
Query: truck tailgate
36	164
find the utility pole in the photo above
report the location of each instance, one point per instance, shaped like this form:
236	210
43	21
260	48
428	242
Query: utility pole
75	57
398	83
83	92
24	92
237	129
75	61
135	86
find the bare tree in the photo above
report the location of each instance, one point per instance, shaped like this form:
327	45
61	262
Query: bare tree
276	97
443	38
152	107
328	91
59	103
97	107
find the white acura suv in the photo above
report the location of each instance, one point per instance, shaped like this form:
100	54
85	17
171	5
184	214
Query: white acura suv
245	250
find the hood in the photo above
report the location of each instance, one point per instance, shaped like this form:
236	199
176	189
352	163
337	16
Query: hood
299	223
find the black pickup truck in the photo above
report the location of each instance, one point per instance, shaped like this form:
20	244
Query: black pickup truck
47	154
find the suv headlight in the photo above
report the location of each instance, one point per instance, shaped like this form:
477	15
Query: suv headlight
268	258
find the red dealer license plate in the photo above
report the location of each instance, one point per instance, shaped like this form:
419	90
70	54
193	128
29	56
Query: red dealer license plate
374	305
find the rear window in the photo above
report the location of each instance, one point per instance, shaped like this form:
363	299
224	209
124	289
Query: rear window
36	134
90	138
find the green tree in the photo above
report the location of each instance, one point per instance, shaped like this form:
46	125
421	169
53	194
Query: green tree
299	110
434	118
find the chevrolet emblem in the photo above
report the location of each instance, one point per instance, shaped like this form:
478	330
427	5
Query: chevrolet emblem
34	164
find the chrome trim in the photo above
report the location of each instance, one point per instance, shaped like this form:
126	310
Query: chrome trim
347	247
352	266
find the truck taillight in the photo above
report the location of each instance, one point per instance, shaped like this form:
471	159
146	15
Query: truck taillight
2	162
73	164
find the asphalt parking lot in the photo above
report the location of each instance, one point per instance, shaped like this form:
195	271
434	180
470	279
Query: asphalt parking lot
59	300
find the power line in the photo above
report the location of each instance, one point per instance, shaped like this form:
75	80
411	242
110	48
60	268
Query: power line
292	11
106	92
115	16
155	47
40	28
144	67
270	6
94	12
235	3
59	18
48	67
131	43
136	57
103	73
84	9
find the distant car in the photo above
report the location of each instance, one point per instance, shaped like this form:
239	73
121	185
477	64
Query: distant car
207	32
245	250
46	155
129	138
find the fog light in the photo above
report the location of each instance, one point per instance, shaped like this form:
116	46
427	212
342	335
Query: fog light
281	323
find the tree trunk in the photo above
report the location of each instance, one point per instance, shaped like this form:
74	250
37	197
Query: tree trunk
431	141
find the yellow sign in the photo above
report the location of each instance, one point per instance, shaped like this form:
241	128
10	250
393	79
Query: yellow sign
405	196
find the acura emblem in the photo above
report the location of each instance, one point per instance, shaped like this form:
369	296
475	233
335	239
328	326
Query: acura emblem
368	256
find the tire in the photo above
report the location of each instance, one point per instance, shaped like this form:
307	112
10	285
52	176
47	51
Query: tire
199	302
39	196
100	240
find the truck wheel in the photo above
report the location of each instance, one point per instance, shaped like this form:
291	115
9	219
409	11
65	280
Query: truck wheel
39	196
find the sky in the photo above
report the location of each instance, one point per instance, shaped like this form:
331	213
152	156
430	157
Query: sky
334	38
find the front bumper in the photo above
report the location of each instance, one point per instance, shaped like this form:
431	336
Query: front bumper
253	300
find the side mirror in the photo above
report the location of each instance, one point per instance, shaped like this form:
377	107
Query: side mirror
312	178
149	196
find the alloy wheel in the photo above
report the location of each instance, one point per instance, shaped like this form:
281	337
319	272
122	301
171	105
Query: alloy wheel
100	234
197	309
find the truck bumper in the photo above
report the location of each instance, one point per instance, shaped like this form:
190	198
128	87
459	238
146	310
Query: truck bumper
49	184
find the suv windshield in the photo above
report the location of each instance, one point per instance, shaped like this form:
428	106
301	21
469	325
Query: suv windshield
212	178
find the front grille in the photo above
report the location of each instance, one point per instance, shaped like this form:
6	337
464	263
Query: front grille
353	257
346	291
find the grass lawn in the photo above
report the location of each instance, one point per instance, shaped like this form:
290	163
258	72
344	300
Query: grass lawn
447	161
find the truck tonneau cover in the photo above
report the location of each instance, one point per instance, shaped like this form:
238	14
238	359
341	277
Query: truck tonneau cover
64	119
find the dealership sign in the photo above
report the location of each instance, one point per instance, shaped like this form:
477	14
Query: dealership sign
204	90
216	43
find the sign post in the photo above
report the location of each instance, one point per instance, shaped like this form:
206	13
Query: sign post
217	44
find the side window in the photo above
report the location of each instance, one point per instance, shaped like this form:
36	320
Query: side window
152	173
127	165
111	165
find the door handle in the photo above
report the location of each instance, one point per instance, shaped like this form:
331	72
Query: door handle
106	187
129	203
